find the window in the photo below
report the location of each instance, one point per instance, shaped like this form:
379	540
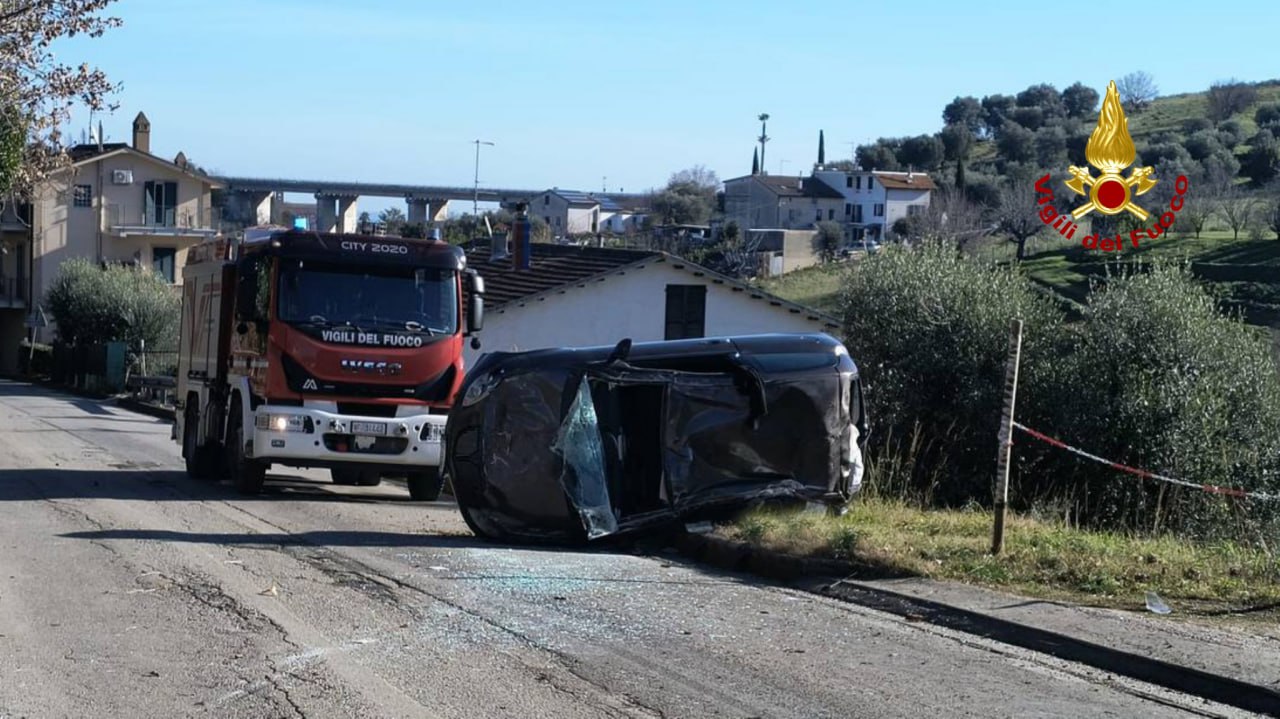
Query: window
686	312
868	182
546	200
913	210
160	203
831	214
819	217
163	260
859	187
879	210
848	209
848	180
83	196
857	213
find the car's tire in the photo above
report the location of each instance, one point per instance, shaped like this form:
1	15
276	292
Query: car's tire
199	460
425	484
247	475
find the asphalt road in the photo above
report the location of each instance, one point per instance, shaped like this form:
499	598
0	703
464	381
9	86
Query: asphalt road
128	590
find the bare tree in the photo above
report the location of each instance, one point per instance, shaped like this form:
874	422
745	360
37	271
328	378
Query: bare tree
36	91
1137	90
951	218
1273	217
1196	213
1236	208
1227	97
1018	214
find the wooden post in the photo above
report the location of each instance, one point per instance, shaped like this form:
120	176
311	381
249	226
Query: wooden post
1005	436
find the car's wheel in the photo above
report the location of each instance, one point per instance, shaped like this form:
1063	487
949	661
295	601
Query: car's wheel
425	485
247	475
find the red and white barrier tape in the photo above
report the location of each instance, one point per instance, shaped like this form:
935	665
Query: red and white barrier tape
1213	489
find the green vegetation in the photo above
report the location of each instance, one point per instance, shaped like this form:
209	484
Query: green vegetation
1144	369
817	287
1043	556
94	305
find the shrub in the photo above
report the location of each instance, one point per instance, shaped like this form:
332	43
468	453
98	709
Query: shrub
1160	379
929	330
93	305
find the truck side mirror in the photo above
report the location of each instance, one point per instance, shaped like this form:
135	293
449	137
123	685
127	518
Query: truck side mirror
475	314
475	301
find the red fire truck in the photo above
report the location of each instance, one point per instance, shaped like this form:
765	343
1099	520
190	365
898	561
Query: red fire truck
308	349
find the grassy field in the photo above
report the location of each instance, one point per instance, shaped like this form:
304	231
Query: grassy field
1167	114
817	287
1042	557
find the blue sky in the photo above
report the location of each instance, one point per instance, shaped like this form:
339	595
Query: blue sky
574	92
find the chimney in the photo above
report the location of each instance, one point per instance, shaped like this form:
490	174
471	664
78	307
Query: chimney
498	247
141	133
521	230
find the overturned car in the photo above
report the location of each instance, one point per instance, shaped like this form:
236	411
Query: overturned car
569	445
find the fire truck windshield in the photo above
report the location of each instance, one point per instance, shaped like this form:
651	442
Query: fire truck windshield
385	298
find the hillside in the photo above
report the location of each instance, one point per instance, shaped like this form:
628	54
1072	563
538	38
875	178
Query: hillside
1170	114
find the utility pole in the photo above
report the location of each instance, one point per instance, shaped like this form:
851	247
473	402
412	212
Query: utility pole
764	137
475	197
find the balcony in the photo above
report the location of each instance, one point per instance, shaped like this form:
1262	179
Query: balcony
13	292
195	221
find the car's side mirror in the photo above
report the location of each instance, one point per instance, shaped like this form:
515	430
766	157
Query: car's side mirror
475	314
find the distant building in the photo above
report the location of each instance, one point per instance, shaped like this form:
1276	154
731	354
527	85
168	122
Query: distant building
874	200
570	212
780	202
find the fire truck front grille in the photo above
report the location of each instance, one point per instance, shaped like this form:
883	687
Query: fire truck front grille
365	445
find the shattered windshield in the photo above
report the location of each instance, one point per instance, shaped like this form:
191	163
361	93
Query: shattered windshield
400	298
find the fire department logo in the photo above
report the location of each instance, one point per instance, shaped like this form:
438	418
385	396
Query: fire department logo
1111	150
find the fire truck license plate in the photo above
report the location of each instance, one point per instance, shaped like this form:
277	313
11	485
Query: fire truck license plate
378	428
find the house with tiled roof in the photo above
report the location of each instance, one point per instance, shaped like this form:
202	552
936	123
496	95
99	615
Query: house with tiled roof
875	199
116	202
573	296
571	212
786	202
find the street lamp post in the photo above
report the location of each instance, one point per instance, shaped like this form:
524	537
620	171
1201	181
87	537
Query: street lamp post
475	196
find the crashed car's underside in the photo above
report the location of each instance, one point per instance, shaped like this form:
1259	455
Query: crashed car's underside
574	444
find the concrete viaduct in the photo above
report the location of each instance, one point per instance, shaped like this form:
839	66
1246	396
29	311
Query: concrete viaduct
261	200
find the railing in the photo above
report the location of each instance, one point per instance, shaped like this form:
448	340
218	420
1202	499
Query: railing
13	291
202	217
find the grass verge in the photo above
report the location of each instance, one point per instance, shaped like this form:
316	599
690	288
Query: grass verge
1041	558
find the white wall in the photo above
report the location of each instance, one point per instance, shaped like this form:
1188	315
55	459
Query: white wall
631	305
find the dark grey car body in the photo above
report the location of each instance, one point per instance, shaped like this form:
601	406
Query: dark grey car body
580	443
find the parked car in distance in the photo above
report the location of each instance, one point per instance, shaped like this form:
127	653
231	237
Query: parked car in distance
574	444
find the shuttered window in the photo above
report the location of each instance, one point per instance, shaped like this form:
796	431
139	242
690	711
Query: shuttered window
686	312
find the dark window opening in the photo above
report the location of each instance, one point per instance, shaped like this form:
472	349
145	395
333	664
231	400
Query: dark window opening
160	203
163	260
879	210
686	312
848	181
859	187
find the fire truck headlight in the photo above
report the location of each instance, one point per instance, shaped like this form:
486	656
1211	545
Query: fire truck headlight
284	423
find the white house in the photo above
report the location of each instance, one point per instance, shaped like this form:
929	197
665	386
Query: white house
583	296
874	200
570	212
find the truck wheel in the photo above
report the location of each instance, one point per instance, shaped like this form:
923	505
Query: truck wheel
425	485
247	475
200	465
355	477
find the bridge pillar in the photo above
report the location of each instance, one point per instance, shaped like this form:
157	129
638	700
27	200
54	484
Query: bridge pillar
268	207
326	213
348	216
438	211
417	210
